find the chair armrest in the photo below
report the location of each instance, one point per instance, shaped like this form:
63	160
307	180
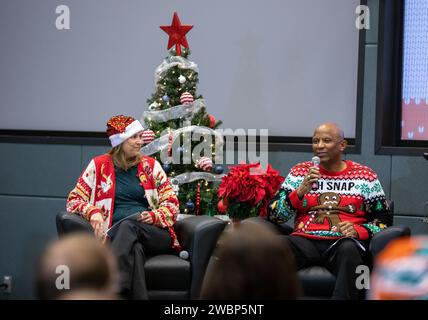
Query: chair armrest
70	222
381	239
282	229
198	235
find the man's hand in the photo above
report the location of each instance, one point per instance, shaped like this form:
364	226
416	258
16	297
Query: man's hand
97	223
347	229
306	186
145	217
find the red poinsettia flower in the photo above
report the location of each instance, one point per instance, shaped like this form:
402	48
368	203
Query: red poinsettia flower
248	186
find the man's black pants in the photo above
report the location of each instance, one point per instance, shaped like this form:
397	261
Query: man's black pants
132	243
341	259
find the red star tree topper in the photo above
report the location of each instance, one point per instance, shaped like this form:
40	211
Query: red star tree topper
177	34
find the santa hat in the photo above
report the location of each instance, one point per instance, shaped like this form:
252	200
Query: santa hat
120	128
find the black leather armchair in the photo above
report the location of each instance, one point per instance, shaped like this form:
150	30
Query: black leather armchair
317	281
169	276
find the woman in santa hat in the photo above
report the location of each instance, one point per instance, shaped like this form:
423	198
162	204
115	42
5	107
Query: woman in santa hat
132	193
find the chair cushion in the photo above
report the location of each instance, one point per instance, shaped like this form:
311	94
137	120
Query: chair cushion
317	281
167	272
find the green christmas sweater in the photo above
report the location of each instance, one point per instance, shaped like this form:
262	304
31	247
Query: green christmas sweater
354	194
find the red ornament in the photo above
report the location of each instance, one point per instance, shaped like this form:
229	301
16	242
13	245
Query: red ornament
177	34
186	98
170	144
222	206
212	121
205	164
148	136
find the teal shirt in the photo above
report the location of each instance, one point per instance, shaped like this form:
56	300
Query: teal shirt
129	196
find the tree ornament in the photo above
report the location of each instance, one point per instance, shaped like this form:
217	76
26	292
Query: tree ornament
182	79
154	106
148	136
190	205
198	198
186	98
167	167
222	206
165	98
218	169
212	121
170	143
177	34
204	163
175	185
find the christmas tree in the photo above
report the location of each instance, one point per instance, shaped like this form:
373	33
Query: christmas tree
181	134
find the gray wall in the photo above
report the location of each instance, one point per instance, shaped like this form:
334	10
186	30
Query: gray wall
36	179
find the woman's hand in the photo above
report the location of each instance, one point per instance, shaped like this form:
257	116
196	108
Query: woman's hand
306	186
97	223
145	217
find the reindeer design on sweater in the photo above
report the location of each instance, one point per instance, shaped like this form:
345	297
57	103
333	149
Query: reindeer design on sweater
328	208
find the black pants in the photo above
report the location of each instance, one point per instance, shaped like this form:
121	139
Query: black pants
341	259
131	244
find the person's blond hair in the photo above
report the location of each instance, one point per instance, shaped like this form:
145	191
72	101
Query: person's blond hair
120	160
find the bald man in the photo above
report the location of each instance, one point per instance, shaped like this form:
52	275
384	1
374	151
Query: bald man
338	206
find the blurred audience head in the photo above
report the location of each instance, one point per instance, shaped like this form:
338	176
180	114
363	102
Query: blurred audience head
77	266
401	271
251	262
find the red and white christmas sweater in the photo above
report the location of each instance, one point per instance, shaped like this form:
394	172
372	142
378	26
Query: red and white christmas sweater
95	190
353	194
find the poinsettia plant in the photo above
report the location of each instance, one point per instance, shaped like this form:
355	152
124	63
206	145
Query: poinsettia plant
247	189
